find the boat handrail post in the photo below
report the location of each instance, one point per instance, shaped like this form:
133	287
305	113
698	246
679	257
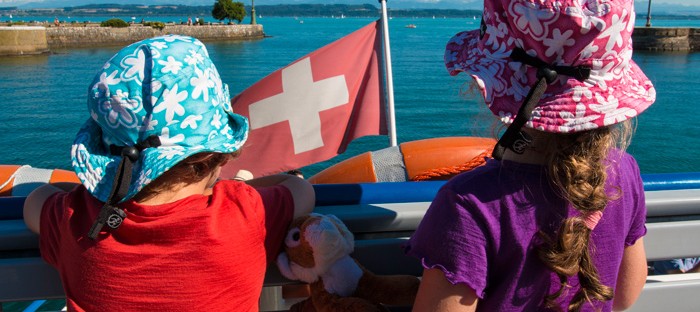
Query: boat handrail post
391	122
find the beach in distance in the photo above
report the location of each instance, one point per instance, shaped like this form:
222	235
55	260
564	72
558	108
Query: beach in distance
43	97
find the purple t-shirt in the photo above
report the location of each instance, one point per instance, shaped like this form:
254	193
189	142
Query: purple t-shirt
481	230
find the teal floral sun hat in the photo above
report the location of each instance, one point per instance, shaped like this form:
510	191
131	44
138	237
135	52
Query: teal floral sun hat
162	96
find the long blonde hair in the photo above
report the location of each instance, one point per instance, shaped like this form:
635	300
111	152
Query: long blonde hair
576	165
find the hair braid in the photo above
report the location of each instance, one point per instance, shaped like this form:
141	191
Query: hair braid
576	166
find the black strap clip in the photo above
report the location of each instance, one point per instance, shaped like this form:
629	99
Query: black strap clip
513	138
110	214
521	142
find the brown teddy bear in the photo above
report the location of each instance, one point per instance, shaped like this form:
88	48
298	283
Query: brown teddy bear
317	251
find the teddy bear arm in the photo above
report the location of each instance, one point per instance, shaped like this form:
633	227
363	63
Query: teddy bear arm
324	301
307	305
398	290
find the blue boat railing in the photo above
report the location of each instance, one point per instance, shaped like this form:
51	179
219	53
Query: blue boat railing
382	216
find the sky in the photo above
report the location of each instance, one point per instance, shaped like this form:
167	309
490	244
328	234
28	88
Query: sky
19	2
421	3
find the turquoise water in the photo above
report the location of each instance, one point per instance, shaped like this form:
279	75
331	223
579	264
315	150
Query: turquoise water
43	97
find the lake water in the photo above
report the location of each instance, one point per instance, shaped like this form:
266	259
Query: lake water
43	97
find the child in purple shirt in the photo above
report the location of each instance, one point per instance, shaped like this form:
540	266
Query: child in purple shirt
555	221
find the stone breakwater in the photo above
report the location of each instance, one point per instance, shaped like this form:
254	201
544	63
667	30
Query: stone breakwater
23	40
666	39
20	40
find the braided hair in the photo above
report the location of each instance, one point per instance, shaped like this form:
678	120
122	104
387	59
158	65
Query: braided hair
576	166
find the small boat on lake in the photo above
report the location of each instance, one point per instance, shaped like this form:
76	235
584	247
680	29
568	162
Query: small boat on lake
411	26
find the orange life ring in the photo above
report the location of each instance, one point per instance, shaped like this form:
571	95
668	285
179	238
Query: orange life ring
18	180
428	159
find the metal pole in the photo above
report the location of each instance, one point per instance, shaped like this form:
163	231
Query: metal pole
649	15
391	124
252	12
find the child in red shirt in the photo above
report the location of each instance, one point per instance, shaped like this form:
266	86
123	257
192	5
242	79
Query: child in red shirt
150	227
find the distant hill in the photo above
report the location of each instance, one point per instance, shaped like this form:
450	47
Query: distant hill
300	10
691	7
661	8
392	4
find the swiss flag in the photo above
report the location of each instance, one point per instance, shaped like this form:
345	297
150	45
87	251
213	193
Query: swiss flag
310	110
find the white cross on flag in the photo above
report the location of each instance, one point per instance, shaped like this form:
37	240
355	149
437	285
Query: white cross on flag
310	110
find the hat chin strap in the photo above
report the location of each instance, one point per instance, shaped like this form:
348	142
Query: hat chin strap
110	214
513	138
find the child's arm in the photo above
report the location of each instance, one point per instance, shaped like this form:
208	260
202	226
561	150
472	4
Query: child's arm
35	202
302	191
436	293
631	277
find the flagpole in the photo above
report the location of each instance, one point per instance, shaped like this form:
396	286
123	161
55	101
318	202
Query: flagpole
389	80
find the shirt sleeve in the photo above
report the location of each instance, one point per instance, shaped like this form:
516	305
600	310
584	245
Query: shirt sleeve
639	214
49	226
279	210
451	238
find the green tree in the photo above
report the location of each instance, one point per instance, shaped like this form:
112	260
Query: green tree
238	12
227	9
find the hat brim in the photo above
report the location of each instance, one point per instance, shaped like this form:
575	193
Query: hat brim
96	167
568	105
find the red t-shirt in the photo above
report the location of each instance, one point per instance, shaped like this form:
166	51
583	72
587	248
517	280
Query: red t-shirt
201	253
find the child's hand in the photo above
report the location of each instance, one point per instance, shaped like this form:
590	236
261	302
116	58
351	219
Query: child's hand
243	175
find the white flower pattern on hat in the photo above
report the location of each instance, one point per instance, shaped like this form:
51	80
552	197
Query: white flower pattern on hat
133	66
579	93
558	42
579	121
190	121
173	38
170	152
529	21
149	124
194	58
120	110
167	141
216	121
589	18
171	103
170	65
614	31
105	81
143	178
202	83
610	107
159	45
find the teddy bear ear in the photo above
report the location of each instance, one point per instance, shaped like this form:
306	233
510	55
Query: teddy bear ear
347	235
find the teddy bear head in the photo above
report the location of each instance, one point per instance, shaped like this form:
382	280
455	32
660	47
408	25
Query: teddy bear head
313	244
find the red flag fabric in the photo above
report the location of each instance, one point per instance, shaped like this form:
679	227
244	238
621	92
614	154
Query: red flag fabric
310	110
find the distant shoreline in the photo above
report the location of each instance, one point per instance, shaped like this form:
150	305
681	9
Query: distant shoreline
280	10
277	10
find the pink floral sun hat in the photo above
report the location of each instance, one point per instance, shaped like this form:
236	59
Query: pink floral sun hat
591	36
